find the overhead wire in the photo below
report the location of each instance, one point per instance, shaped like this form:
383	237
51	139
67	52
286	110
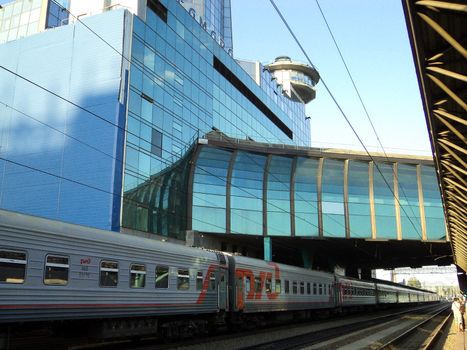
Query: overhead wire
366	112
343	113
128	131
129	60
107	120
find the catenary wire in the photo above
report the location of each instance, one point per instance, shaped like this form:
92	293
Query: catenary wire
345	116
272	175
137	136
163	161
363	105
144	73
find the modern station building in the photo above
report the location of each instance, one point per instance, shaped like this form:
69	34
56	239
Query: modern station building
135	117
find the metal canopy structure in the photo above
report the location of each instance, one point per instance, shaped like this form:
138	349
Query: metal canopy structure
438	35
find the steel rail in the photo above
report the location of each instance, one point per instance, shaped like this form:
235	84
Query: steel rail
316	337
411	330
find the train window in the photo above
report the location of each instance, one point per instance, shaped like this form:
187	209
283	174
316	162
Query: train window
162	277
183	279
308	288
268	285
56	270
257	285
212	281
286	287
137	276
12	266
108	274
314	289
247	283
278	286
294	287
302	287
199	280
320	289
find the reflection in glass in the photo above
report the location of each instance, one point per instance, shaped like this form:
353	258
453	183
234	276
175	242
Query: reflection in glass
359	200
306	197
434	214
209	190
246	196
408	199
333	198
278	196
385	211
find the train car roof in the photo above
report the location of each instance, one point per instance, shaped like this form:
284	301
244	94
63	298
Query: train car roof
58	228
283	268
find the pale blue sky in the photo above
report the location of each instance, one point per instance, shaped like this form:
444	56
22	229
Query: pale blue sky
372	36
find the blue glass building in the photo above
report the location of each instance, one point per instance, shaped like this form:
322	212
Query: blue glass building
103	123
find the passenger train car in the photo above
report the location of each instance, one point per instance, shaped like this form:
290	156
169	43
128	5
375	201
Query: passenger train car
52	271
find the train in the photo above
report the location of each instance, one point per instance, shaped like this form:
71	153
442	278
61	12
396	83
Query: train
120	284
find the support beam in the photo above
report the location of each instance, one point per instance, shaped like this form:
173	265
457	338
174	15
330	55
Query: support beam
443	5
444	34
267	249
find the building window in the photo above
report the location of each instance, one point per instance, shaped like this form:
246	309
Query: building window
109	274
156	143
183	279
12	266
137	276
56	270
162	277
158	8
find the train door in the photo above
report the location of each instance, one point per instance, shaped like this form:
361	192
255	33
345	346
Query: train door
223	295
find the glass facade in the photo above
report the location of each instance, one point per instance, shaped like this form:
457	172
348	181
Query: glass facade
279	195
385	212
306	197
359	199
22	18
177	94
57	14
209	190
408	200
170	84
246	194
332	198
434	214
215	17
19	19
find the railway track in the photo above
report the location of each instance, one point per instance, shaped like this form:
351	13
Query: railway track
423	335
294	336
365	334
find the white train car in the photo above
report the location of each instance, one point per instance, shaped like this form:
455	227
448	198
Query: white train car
51	270
265	287
356	292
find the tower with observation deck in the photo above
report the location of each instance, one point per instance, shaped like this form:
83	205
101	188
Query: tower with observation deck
298	80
